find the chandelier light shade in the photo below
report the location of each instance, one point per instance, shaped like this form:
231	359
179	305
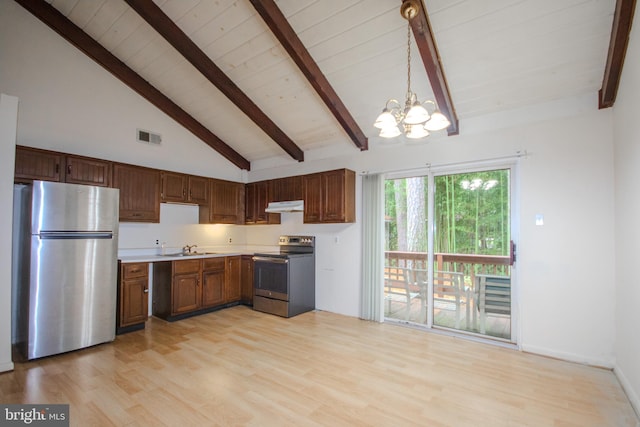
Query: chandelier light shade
414	119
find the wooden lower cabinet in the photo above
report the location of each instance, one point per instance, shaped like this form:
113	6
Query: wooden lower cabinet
185	293
246	280
188	287
233	269
213	282
133	296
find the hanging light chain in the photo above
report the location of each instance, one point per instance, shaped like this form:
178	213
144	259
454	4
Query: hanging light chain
409	94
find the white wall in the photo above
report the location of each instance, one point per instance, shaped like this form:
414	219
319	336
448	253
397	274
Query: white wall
564	272
8	123
71	104
627	175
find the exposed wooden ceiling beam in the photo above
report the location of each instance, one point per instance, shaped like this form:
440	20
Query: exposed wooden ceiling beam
617	50
288	38
74	35
431	59
160	22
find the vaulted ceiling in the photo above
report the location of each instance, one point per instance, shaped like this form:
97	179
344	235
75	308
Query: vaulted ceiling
260	79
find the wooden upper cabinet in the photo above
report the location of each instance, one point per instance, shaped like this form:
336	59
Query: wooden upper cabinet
182	188
226	203
312	191
198	190
256	201
83	170
285	189
338	199
33	164
139	193
329	197
174	187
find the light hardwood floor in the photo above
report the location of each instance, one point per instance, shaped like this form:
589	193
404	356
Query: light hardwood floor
241	367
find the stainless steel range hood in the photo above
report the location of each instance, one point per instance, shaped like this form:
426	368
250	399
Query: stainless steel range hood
290	206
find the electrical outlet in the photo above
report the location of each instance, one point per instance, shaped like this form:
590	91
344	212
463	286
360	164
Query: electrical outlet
157	241
230	240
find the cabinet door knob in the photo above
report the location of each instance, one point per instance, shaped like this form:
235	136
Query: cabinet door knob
146	290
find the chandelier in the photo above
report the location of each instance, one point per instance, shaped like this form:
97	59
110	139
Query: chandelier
414	119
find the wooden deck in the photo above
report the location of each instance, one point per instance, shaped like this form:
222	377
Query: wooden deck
471	268
245	368
444	315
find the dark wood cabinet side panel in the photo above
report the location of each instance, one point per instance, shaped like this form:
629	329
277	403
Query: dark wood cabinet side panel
350	196
250	203
261	201
162	278
233	270
246	280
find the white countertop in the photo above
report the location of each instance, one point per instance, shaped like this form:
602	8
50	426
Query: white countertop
153	255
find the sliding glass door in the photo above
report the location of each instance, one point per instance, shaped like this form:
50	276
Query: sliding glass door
448	251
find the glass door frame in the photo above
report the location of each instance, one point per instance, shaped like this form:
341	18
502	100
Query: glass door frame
511	163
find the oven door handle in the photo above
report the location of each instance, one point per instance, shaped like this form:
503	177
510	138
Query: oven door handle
273	260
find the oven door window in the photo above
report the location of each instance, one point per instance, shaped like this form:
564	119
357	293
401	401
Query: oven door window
271	278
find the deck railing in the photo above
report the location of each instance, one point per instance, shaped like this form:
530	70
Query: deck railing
469	265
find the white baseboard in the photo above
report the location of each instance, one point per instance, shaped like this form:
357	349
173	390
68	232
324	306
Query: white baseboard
628	389
7	366
570	357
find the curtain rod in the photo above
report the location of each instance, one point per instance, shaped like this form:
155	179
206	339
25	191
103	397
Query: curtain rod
429	166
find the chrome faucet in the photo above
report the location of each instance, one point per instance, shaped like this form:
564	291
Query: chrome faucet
187	248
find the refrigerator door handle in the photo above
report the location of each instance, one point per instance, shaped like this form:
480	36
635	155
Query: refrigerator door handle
62	235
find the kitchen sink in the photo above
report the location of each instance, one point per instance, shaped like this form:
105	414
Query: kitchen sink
182	254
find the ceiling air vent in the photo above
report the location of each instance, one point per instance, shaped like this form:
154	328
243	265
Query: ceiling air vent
149	137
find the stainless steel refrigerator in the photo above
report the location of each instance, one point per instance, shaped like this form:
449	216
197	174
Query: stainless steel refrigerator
64	272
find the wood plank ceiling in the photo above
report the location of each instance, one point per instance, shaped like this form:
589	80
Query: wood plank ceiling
259	80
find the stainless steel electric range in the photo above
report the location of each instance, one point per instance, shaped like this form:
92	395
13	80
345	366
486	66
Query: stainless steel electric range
285	281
